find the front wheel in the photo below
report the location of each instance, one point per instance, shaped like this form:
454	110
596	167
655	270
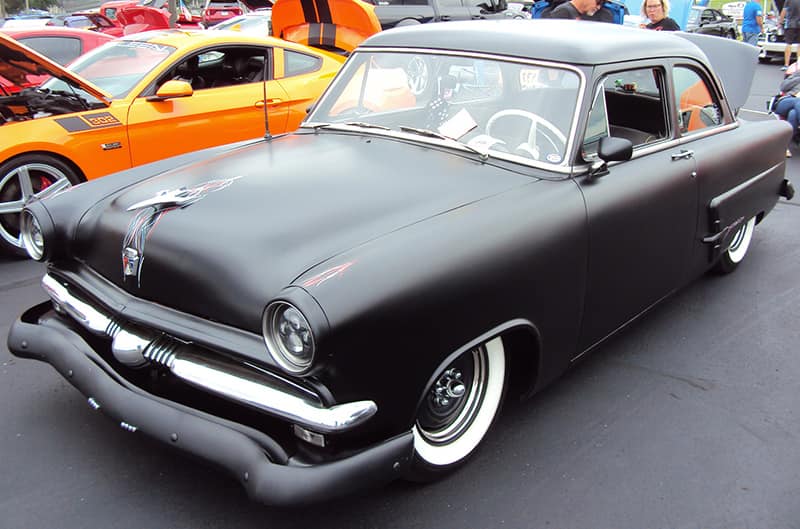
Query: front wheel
738	249
458	410
22	178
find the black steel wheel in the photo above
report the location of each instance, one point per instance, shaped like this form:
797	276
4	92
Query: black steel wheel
458	410
735	254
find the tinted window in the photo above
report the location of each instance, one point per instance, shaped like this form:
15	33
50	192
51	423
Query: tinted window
62	50
297	63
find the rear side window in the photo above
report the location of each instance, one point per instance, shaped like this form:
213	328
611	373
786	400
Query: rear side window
698	109
298	63
62	50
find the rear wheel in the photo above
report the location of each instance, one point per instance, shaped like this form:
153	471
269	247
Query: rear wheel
458	410
738	249
21	179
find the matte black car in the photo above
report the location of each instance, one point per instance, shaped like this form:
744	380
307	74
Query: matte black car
709	21
467	211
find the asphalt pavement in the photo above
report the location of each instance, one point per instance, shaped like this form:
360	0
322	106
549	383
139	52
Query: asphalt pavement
688	419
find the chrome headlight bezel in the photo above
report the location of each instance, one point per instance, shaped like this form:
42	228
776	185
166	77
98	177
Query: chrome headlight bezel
272	320
32	235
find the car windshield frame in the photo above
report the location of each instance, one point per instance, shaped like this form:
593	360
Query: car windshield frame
116	67
478	92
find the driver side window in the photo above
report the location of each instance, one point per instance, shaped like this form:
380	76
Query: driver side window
629	104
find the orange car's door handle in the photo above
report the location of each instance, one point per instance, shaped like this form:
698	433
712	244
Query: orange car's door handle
270	101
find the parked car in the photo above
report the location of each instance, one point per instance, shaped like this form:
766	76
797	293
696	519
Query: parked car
88	21
60	44
771	42
141	98
468	210
186	18
257	22
709	21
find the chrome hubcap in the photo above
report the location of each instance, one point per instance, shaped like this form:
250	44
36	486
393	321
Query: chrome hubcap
455	398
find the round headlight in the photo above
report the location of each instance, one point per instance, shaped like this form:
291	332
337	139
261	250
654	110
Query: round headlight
31	234
289	337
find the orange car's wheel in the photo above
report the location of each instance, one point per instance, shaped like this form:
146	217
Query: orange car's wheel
22	178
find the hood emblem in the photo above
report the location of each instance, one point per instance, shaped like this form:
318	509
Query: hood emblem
150	212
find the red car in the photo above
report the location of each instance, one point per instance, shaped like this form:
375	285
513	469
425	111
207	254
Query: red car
60	44
216	11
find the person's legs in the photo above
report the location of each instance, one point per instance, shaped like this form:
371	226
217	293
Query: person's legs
750	38
784	106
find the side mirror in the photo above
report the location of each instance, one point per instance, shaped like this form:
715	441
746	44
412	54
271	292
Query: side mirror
613	149
610	149
171	90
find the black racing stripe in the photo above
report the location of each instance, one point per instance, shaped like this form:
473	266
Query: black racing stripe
73	124
324	10
309	11
314	34
329	35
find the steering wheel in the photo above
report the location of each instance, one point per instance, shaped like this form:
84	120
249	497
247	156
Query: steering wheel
539	126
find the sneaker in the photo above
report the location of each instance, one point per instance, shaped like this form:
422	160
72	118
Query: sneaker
784	68
788	153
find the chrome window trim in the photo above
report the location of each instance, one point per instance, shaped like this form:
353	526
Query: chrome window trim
564	167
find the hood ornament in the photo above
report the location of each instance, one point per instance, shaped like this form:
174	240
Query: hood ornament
150	212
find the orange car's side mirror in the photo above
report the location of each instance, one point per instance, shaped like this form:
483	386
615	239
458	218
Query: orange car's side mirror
172	89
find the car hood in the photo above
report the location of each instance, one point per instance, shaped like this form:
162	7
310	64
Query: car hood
341	24
18	61
256	219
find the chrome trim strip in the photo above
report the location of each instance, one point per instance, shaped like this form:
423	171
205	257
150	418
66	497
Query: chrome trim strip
93	320
323	420
212	377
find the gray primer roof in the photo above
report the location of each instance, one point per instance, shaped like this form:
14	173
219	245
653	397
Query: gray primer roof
569	41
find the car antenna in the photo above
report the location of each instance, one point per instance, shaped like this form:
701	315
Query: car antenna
267	135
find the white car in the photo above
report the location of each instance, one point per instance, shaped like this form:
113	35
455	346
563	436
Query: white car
258	22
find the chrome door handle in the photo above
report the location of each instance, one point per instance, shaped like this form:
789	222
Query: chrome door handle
685	154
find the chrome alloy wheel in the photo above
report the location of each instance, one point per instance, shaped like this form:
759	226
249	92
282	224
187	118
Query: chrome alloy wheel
18	186
460	406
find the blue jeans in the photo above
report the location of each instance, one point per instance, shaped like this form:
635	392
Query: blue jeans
788	108
750	38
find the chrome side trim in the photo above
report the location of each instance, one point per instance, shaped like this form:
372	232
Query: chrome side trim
136	347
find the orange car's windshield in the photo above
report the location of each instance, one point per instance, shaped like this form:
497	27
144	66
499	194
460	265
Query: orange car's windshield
118	66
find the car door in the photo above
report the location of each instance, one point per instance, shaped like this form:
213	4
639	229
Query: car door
731	188
227	105
641	214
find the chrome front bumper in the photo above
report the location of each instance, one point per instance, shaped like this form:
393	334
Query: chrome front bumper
257	461
136	347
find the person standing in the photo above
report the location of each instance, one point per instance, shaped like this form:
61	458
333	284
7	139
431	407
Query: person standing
752	22
577	10
656	12
790	19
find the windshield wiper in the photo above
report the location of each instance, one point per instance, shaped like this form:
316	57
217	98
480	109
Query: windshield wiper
366	125
433	134
424	132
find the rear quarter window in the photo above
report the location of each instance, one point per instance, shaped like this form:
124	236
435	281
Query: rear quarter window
299	63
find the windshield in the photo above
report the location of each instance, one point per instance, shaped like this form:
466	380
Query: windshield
116	67
493	106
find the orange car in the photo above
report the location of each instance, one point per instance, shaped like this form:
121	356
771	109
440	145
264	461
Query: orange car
142	98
